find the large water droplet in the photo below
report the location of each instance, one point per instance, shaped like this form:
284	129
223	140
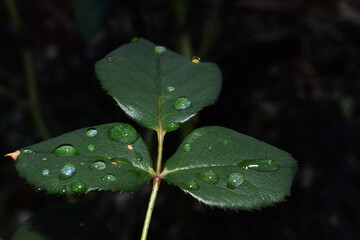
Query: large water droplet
182	103
67	171
209	177
187	147
110	58
27	151
191	185
45	172
134	40
124	133
235	180
98	165
159	50
261	165
170	89
78	187
91	147
109	178
138	157
195	60
66	150
91	132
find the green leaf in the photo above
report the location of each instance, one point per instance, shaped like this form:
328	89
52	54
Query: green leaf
98	157
226	169
61	221
156	87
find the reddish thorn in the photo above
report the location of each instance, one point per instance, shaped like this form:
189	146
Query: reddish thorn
13	155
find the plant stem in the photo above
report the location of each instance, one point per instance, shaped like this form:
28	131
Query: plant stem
161	135
150	209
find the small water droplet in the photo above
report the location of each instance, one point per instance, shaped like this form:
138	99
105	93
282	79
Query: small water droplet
27	151
159	50
123	132
210	148
38	189
98	165
91	132
187	147
172	127
66	150
134	40
261	165
109	178
44	159
78	187
191	185
110	58
138	157
226	142
91	147
182	103
62	191
209	177
170	89
235	180
195	60
45	172
67	171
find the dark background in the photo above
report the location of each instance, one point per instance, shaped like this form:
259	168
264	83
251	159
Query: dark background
291	78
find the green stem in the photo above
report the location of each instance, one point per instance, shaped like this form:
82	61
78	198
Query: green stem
161	136
150	209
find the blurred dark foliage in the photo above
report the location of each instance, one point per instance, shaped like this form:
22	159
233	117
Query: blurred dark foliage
291	78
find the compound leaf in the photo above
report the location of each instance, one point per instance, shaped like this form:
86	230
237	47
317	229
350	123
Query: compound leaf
156	87
226	169
104	157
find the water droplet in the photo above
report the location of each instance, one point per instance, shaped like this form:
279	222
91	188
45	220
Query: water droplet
91	147
109	178
235	180
195	60
172	127
124	133
182	103
138	157
98	165
38	189
27	151
226	142
209	177
62	191
191	185
187	147
67	171
261	165
45	172
110	58
78	187
210	148
159	50
66	150
44	159
170	89
91	132
134	40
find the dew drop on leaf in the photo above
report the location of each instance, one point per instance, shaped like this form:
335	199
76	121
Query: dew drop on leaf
261	165
44	159
109	178
98	165
195	60
172	127
110	58
170	89
67	171
134	40
91	132
182	103
209	177
62	191
138	157
91	147
235	180
27	151
187	147
191	185
78	187
45	172
159	50
66	150
124	133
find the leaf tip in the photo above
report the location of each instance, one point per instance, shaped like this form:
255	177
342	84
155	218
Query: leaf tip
13	155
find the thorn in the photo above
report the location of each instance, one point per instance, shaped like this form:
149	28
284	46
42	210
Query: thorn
13	155
130	147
